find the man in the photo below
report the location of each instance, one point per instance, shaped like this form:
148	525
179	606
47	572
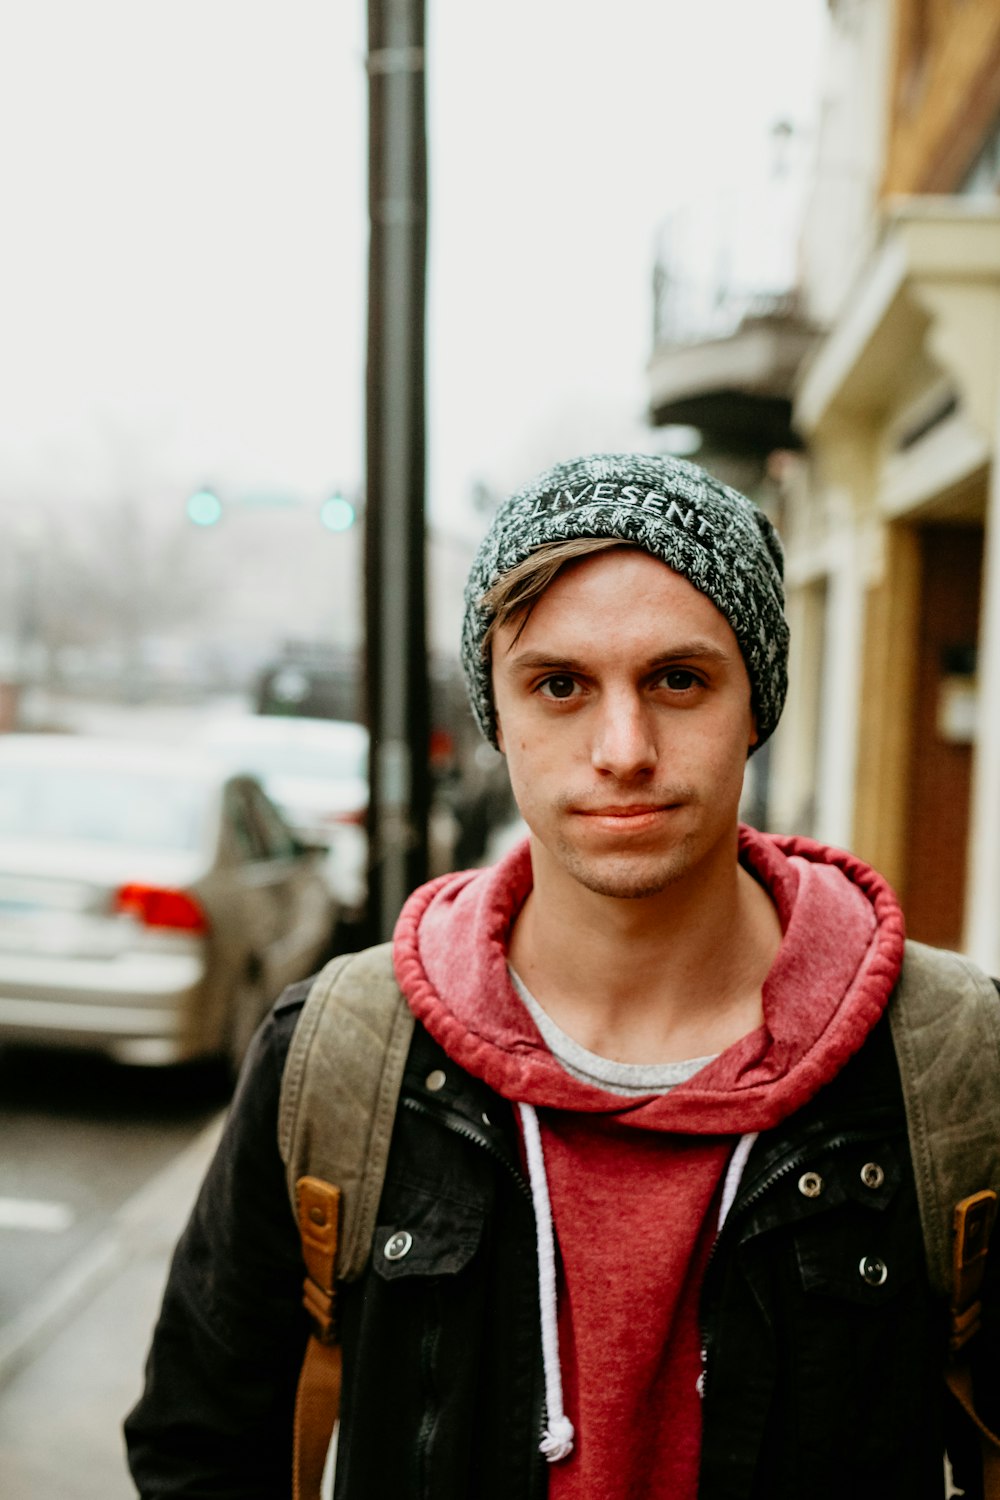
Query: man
649	1228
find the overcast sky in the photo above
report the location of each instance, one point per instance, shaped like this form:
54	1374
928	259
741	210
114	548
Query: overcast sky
184	228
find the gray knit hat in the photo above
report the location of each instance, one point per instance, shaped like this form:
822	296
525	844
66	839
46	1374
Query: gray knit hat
717	538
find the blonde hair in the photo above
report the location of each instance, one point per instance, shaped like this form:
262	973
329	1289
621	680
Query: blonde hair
515	594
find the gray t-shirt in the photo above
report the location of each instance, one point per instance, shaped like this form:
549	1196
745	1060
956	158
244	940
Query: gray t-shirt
632	1080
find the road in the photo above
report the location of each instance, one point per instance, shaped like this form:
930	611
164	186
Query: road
99	1165
80	1137
99	1169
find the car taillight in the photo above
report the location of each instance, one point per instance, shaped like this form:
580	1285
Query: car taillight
156	906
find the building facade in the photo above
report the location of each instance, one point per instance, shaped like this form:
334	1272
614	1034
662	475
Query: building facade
891	742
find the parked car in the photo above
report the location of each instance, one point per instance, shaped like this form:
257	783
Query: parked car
316	771
152	904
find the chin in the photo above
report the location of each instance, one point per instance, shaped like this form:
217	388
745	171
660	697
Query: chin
633	878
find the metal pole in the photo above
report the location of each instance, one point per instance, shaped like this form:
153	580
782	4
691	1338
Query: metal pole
395	606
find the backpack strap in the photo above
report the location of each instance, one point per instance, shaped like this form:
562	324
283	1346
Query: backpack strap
339	1092
945	1020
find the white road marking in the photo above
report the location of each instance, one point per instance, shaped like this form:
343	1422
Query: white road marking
33	1213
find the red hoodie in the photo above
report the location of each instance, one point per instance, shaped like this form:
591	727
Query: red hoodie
635	1184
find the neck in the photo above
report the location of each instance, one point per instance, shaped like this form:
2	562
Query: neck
656	979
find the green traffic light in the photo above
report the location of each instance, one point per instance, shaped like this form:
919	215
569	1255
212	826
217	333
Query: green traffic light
204	508
337	514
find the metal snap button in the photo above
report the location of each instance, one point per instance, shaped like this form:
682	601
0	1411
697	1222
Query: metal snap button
435	1080
398	1245
810	1184
872	1175
316	1215
873	1270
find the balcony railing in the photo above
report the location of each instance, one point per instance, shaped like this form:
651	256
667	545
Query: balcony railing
728	258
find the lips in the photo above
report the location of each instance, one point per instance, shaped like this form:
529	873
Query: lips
633	818
628	810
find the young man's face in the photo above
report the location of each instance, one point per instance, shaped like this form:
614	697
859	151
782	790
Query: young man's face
624	713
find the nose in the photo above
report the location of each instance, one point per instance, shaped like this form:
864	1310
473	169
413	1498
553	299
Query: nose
624	743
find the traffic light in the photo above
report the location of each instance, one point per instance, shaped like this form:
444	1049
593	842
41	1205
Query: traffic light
204	508
337	513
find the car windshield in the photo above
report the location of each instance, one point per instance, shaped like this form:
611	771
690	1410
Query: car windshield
315	762
92	804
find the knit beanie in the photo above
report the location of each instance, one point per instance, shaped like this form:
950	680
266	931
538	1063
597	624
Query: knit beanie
711	534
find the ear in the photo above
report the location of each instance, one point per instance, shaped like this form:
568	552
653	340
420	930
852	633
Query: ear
500	743
754	733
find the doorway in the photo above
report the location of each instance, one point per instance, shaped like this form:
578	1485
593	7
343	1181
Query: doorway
936	844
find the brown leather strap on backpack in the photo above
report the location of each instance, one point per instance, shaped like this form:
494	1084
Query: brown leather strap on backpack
317	1403
972	1227
973	1224
339	1092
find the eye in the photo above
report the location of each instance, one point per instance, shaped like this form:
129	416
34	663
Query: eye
559	686
679	679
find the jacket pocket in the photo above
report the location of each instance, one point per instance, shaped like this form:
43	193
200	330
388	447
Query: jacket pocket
430	1236
861	1337
858	1252
857	1262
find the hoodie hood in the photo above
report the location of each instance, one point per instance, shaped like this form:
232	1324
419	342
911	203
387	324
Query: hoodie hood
839	959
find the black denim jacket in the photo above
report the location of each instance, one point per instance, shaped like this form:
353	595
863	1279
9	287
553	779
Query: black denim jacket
824	1348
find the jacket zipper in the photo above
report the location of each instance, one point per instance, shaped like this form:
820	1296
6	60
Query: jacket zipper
790	1164
458	1126
454	1122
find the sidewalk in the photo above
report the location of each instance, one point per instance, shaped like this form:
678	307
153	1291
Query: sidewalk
71	1365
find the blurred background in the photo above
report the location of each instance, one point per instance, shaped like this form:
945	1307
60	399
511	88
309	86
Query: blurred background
765	236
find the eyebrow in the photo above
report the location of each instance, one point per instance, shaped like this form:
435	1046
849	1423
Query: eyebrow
693	650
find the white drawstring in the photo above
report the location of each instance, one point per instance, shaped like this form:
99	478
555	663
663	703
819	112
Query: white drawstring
557	1439
734	1175
730	1187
